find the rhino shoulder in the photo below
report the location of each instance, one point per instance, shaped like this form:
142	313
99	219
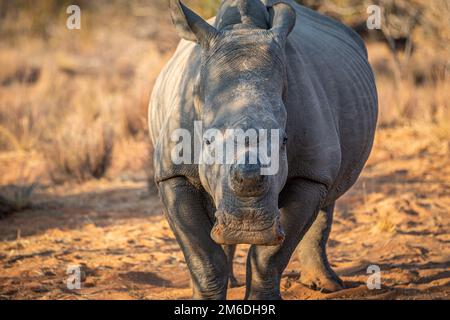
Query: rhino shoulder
172	108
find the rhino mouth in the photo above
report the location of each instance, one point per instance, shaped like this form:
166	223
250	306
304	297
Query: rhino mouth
230	229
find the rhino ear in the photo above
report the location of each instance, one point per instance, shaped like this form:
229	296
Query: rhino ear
189	25
282	17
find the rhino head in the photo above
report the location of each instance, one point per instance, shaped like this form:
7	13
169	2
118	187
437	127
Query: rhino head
241	86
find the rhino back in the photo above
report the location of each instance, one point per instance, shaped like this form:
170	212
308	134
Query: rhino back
332	102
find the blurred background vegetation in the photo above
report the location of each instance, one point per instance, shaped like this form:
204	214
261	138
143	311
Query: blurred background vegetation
73	103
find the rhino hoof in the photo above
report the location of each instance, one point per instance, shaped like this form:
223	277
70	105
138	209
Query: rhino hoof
324	282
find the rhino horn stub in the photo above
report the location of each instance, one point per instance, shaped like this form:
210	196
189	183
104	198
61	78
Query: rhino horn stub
253	13
189	25
283	18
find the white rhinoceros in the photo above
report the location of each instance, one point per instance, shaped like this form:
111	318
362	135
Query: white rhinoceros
261	65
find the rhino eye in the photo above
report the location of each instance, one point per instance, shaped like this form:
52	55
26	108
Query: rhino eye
285	140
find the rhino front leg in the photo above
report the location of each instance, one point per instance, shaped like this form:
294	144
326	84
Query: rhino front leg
189	220
316	272
299	204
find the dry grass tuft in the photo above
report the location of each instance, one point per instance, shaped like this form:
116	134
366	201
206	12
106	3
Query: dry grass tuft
82	150
18	200
385	224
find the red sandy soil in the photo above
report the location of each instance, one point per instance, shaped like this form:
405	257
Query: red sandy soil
396	216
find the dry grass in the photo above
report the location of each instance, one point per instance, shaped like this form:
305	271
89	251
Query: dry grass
17	198
72	155
384	223
77	100
423	96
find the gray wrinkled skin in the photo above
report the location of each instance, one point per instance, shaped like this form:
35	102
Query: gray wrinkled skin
262	65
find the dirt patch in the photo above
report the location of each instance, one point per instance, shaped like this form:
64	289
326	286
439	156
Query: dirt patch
396	217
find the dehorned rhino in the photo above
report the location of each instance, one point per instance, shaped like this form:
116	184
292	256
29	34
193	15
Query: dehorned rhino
260	66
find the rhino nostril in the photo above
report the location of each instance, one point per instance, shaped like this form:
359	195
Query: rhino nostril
245	177
245	172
